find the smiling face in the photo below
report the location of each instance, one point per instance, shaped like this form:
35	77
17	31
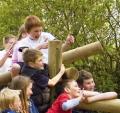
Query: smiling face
72	89
89	84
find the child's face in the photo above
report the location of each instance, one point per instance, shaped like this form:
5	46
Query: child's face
10	43
89	84
35	32
74	89
39	63
29	90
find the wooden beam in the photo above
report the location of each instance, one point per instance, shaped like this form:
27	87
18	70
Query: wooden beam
81	52
54	57
109	106
54	60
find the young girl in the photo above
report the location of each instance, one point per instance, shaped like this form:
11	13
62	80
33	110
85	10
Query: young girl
10	101
25	85
68	99
17	64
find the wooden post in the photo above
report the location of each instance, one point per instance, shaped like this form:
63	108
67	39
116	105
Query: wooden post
72	73
109	106
5	78
81	52
54	59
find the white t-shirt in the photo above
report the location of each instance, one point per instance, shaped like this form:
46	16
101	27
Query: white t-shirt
7	65
29	42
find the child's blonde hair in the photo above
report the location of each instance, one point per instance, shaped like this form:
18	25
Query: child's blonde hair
7	97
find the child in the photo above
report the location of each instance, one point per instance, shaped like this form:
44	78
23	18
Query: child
6	54
68	99
38	39
38	72
16	61
86	82
10	101
25	85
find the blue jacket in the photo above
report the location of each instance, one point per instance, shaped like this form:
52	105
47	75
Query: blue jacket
32	109
8	111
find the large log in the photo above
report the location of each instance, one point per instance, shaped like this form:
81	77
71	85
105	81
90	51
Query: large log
71	73
108	106
54	60
5	78
54	57
81	52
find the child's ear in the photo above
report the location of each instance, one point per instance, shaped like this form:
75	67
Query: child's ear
31	64
67	89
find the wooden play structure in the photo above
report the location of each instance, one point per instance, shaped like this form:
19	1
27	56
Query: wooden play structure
55	59
57	56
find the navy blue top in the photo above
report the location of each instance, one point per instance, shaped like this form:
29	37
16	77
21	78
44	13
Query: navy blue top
40	77
41	91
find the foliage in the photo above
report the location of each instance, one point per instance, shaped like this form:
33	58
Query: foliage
87	20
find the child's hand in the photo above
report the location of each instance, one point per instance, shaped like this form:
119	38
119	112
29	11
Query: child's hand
42	46
70	39
82	95
9	53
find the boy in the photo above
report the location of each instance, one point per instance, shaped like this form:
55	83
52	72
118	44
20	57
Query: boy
86	82
38	72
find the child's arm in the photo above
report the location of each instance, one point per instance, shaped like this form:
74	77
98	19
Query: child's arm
90	93
102	96
54	80
69	104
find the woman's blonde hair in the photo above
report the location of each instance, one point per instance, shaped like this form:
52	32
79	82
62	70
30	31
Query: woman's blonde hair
8	97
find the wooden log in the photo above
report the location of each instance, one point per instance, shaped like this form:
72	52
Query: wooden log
108	106
81	52
5	78
71	73
54	57
54	60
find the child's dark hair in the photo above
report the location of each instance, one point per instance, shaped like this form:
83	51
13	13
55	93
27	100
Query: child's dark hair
83	75
61	85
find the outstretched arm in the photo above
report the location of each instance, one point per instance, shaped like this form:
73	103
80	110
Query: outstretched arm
69	104
54	80
101	96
